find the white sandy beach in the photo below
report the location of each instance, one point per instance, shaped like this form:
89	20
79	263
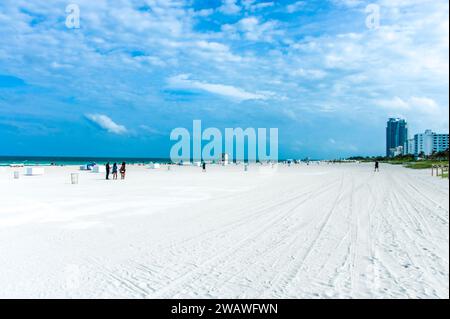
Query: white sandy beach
319	231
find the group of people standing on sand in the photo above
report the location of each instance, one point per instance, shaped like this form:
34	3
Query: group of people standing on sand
115	170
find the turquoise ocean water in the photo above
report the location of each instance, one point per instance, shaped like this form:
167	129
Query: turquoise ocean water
65	161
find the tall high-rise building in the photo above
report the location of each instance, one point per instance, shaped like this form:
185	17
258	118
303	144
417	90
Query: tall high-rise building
396	136
429	142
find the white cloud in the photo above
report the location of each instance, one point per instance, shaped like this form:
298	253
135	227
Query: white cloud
107	123
150	130
424	103
229	7
341	146
357	67
395	103
215	51
313	74
183	81
414	103
252	5
204	12
253	29
262	5
348	3
294	7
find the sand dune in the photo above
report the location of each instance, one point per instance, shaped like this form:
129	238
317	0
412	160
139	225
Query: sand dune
320	231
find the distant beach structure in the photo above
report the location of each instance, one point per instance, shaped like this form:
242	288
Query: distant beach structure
16	165
154	166
224	159
99	169
33	171
87	167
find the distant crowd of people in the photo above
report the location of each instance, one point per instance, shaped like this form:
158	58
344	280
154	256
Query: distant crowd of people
115	170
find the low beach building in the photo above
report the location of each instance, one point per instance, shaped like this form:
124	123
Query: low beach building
430	142
409	148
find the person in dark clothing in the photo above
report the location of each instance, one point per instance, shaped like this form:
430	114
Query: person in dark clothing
114	171
122	171
108	169
204	166
377	166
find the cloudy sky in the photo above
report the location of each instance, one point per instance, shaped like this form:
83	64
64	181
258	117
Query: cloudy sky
323	72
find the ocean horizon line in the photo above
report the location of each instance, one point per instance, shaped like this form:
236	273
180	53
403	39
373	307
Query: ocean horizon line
6	160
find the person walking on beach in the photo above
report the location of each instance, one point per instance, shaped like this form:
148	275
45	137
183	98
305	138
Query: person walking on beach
377	166
114	171
204	166
122	171
108	169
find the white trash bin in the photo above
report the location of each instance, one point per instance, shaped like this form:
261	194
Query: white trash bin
16	175
74	178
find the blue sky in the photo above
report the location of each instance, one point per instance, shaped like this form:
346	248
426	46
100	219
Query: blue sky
136	69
